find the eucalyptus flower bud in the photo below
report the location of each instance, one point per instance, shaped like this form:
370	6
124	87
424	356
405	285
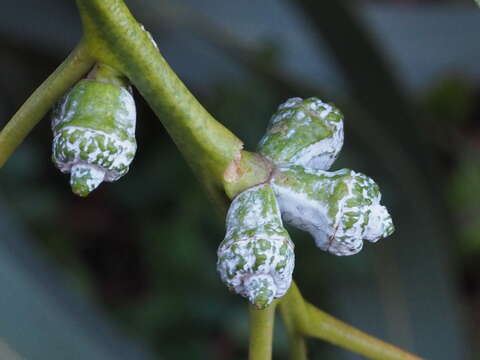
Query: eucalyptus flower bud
94	130
256	258
304	132
339	209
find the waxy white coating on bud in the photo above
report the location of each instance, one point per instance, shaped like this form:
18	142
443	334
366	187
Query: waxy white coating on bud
340	209
304	132
256	258
94	134
85	178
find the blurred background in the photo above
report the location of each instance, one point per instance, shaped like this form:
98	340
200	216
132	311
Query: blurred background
129	273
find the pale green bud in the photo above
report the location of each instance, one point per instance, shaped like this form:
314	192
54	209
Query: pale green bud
304	132
256	258
94	132
340	209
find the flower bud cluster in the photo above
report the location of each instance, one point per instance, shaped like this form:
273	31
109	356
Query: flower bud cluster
340	209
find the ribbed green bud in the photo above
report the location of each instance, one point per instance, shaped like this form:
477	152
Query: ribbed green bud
304	132
94	130
256	258
340	209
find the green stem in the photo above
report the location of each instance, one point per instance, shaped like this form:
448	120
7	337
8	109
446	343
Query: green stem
118	40
312	322
261	332
298	346
247	170
39	103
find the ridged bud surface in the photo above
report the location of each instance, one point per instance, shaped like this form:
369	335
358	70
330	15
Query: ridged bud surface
94	134
304	132
340	209
256	258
